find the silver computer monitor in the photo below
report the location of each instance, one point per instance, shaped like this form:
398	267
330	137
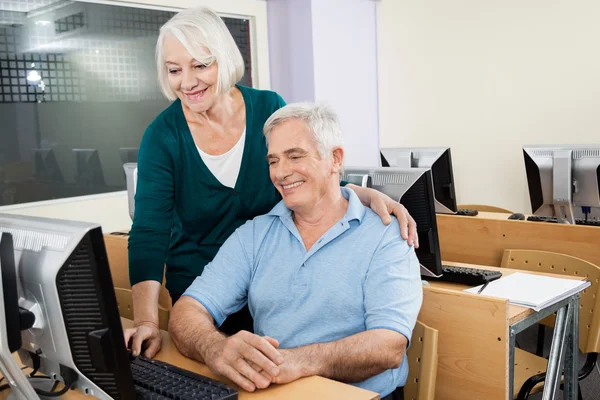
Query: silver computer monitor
128	154
563	181
413	188
64	280
438	159
131	179
45	166
89	168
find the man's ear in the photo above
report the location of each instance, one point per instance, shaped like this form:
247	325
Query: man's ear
338	159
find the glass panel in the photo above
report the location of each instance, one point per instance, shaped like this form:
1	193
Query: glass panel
78	88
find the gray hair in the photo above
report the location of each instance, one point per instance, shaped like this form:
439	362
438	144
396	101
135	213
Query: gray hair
200	29
322	122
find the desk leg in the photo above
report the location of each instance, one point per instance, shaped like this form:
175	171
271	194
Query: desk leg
511	361
553	373
571	356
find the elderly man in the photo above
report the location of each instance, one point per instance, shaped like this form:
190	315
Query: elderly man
333	291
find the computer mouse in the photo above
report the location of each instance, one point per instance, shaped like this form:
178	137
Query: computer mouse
517	216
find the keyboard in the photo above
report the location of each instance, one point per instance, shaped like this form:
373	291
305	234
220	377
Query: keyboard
467	276
466	212
159	380
578	221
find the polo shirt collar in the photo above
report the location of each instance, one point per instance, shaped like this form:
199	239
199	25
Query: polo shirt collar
356	210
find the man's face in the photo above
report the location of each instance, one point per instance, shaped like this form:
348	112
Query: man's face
297	170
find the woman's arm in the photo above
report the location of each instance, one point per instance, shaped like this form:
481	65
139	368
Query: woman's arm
384	206
149	240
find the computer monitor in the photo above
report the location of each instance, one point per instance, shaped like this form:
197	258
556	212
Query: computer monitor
128	154
45	166
564	181
11	321
131	179
63	278
89	169
436	158
413	188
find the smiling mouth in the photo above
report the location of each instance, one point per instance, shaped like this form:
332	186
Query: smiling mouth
292	185
196	95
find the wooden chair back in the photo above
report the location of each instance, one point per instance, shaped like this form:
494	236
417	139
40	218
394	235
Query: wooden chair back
422	363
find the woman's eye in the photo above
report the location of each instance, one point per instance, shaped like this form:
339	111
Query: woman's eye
173	71
200	66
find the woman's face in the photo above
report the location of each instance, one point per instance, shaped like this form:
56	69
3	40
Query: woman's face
194	82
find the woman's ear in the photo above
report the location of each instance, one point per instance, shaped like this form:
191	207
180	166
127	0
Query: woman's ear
338	159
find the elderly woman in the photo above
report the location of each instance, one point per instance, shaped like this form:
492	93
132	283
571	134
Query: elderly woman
202	171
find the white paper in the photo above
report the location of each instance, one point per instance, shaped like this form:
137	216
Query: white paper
529	290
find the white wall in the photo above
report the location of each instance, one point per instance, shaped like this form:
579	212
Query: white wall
111	210
486	77
326	51
345	56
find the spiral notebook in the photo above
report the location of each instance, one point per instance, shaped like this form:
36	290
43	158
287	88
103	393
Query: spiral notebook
530	290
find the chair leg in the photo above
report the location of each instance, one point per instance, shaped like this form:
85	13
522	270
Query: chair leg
539	350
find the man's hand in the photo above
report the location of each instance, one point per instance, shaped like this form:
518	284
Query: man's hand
292	367
249	360
384	206
144	335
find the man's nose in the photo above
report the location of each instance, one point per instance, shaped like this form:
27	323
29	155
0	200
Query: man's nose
282	171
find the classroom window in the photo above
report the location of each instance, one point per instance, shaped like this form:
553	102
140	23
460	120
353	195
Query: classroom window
78	87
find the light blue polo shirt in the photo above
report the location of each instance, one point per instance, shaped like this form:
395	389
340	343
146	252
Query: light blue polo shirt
359	275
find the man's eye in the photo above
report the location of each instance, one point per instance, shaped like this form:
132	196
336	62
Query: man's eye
272	162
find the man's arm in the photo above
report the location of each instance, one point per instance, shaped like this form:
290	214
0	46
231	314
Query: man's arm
234	357
352	359
392	298
221	290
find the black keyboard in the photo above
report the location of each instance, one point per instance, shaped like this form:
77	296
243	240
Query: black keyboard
466	212
578	221
467	276
158	380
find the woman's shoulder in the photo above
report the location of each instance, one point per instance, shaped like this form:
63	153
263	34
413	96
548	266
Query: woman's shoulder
267	98
167	117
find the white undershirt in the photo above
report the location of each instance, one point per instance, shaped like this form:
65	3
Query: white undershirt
226	167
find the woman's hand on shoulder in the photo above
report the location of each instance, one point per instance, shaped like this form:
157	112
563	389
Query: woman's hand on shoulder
385	207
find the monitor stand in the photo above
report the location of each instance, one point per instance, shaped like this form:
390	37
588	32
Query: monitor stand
428	273
562	186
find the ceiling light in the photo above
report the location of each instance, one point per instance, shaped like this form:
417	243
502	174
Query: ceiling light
33	76
42	22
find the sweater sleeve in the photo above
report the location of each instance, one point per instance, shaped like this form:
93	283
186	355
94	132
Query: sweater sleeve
154	202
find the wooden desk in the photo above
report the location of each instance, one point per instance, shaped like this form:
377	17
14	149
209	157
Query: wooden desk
314	387
483	239
473	341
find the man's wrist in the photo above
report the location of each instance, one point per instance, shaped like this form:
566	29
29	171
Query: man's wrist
204	347
306	360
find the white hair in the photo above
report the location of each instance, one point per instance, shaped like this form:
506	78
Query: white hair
322	122
204	35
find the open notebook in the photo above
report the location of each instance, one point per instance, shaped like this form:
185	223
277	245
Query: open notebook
533	291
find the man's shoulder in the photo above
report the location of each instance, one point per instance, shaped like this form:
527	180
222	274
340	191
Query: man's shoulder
372	222
258	227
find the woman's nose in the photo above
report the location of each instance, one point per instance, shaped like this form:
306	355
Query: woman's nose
189	80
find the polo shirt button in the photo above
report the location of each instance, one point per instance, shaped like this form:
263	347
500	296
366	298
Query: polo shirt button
235	193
